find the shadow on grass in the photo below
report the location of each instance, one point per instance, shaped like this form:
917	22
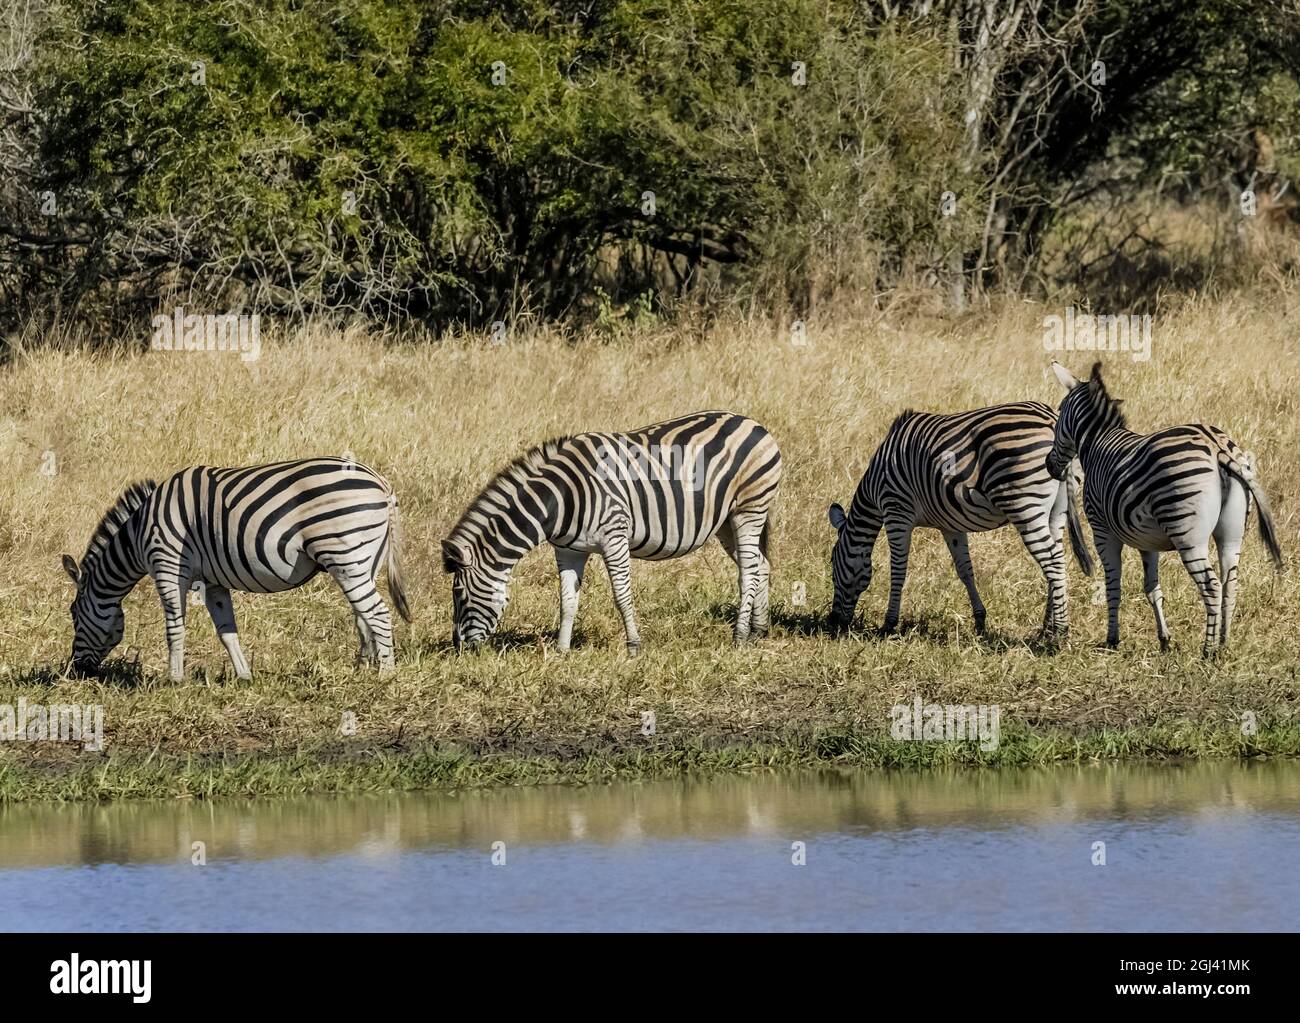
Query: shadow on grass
943	631
935	629
117	671
800	623
502	641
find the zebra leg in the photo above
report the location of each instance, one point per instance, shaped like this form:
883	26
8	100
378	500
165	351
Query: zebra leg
1056	523
1229	553
1197	562
959	548
1044	546
762	613
366	650
1151	583
742	536
1111	563
618	563
172	595
1228	534
222	611
369	608
571	565
1228	556
900	546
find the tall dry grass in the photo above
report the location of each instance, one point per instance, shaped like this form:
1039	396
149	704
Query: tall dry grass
438	418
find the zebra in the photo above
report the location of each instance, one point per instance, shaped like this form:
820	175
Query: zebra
1171	490
658	492
261	529
960	473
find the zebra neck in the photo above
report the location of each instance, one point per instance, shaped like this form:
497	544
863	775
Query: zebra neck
864	513
117	566
1092	439
870	521
510	537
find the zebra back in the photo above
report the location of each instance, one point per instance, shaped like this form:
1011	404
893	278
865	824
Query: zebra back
947	467
674	482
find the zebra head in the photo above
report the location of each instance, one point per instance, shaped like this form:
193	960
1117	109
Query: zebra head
1086	412
478	593
97	619
850	566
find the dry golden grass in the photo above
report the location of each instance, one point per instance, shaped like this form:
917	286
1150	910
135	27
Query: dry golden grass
437	419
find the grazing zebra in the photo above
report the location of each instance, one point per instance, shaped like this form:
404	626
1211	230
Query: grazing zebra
261	529
961	473
1171	490
658	492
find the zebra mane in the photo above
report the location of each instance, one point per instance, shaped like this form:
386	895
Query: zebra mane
901	418
128	501
518	471
1101	399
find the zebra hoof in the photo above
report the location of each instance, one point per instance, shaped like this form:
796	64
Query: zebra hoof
1164	644
633	649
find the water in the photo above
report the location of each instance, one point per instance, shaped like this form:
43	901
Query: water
1195	847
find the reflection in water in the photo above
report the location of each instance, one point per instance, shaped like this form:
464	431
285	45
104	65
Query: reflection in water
882	848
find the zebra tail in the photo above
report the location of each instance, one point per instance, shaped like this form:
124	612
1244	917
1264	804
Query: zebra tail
395	588
1267	531
1078	542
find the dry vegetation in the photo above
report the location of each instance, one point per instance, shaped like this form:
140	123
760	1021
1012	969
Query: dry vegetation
438	418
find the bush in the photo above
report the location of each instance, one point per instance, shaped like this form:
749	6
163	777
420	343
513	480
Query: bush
456	161
441	162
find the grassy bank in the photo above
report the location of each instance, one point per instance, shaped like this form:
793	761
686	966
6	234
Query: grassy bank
338	770
438	419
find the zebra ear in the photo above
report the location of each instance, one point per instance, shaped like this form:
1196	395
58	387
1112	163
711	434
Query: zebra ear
455	556
70	566
1068	380
836	515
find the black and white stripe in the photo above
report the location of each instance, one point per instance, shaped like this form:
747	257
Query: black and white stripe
658	492
262	529
962	473
1171	490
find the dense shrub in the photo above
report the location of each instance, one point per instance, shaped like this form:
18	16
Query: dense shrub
474	161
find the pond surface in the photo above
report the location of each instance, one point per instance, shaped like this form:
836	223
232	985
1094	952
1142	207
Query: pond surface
1208	846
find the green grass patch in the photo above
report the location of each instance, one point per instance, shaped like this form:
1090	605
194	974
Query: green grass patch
351	770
